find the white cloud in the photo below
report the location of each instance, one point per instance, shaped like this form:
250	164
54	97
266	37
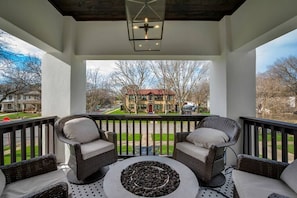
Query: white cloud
105	66
19	46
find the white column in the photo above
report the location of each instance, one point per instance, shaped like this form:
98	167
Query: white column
56	94
63	83
78	86
241	92
233	84
218	87
55	87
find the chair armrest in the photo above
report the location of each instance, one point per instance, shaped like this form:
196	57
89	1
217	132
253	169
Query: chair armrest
111	137
260	166
58	190
29	168
225	144
181	136
68	141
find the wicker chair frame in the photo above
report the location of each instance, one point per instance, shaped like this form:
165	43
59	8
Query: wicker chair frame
209	173
86	171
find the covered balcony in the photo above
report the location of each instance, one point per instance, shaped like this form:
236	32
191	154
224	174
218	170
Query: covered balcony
146	136
228	43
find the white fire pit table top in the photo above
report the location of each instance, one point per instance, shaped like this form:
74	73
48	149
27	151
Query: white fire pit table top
113	188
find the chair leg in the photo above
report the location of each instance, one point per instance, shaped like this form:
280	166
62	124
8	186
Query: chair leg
90	179
216	181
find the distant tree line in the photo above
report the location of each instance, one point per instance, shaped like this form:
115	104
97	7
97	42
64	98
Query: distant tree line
188	79
277	87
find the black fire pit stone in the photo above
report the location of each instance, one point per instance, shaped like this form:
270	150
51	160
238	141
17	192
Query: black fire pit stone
150	179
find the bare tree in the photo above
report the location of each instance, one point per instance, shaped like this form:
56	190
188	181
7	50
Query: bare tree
129	77
19	76
270	96
98	92
285	70
200	93
160	75
180	76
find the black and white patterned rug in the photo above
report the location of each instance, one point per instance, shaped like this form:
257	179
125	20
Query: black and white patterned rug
96	189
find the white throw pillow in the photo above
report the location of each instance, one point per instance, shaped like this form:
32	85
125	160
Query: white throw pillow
206	137
289	175
2	182
82	130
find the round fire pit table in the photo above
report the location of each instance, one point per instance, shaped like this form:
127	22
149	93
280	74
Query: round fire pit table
148	171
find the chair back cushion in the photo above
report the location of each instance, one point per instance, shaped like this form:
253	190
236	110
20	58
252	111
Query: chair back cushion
82	130
206	137
2	182
289	175
229	126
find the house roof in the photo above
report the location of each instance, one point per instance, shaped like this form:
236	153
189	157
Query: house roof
110	10
152	92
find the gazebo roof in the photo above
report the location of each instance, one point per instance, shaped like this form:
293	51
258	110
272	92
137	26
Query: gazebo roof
110	10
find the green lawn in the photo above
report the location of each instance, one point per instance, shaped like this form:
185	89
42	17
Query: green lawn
164	150
18	154
137	137
278	137
117	112
19	115
165	137
290	148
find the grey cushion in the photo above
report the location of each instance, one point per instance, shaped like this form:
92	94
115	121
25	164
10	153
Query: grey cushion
257	186
199	153
26	186
82	130
289	175
2	181
206	137
95	148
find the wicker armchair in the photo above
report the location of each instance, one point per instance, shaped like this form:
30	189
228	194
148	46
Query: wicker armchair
25	178
91	149
207	163
260	177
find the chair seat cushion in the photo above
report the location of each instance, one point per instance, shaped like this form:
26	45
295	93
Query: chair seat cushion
289	175
26	186
252	185
199	153
81	130
206	137
2	182
94	148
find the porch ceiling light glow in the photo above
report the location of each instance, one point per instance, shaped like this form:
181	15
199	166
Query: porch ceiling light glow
145	22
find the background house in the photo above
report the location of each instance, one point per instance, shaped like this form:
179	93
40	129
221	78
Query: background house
27	101
151	101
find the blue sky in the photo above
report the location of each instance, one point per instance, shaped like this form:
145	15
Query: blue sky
281	47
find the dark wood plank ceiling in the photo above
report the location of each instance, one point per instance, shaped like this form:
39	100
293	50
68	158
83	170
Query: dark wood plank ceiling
114	10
